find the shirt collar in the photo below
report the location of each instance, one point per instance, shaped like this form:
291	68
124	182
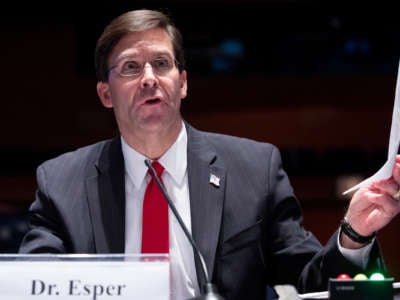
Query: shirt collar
174	160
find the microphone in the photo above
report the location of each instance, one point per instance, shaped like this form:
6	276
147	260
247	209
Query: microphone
210	290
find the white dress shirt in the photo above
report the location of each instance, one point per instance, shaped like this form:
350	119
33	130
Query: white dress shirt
183	273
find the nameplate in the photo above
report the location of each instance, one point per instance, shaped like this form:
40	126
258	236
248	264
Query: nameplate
141	278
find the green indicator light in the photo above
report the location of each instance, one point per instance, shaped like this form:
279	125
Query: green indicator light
360	277
377	276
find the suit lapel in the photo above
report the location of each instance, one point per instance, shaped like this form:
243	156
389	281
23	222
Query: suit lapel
106	199
206	187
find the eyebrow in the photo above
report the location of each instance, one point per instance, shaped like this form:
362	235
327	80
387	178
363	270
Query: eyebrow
135	56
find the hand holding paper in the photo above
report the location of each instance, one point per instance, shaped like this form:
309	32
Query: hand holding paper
376	201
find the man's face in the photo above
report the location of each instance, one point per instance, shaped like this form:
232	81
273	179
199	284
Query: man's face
144	85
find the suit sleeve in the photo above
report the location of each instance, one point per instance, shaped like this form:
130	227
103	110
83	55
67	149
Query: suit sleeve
46	234
329	263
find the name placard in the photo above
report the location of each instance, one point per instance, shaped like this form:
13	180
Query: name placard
84	277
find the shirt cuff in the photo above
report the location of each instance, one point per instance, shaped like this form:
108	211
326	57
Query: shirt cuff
359	257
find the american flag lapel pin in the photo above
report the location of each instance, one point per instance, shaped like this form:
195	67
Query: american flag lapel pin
214	180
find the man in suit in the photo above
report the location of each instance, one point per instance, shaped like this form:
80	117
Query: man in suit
231	192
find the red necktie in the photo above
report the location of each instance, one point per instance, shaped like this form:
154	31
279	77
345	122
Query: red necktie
155	217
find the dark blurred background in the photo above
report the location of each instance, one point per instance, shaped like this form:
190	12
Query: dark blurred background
316	79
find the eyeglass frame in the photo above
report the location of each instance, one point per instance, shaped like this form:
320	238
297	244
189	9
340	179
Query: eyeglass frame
124	60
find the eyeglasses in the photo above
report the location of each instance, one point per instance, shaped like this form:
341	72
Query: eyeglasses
132	68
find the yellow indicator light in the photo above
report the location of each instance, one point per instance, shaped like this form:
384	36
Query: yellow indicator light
360	277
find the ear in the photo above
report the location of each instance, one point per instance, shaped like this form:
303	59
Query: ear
103	90
183	82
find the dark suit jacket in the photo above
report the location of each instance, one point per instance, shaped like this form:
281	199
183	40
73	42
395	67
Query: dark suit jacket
249	229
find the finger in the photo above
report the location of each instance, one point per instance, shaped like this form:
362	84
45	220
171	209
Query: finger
390	206
396	171
388	186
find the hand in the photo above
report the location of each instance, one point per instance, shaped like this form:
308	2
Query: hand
373	207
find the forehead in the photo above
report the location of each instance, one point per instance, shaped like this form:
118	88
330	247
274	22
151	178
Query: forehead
155	40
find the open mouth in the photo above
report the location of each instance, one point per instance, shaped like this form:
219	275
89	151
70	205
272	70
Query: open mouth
153	101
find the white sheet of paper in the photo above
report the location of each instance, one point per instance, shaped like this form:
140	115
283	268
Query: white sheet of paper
386	170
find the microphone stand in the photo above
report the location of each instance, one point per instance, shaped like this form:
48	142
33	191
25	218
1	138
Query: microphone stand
210	290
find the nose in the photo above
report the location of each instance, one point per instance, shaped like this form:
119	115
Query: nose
149	79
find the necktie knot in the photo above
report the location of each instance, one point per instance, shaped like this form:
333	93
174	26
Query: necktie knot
158	168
